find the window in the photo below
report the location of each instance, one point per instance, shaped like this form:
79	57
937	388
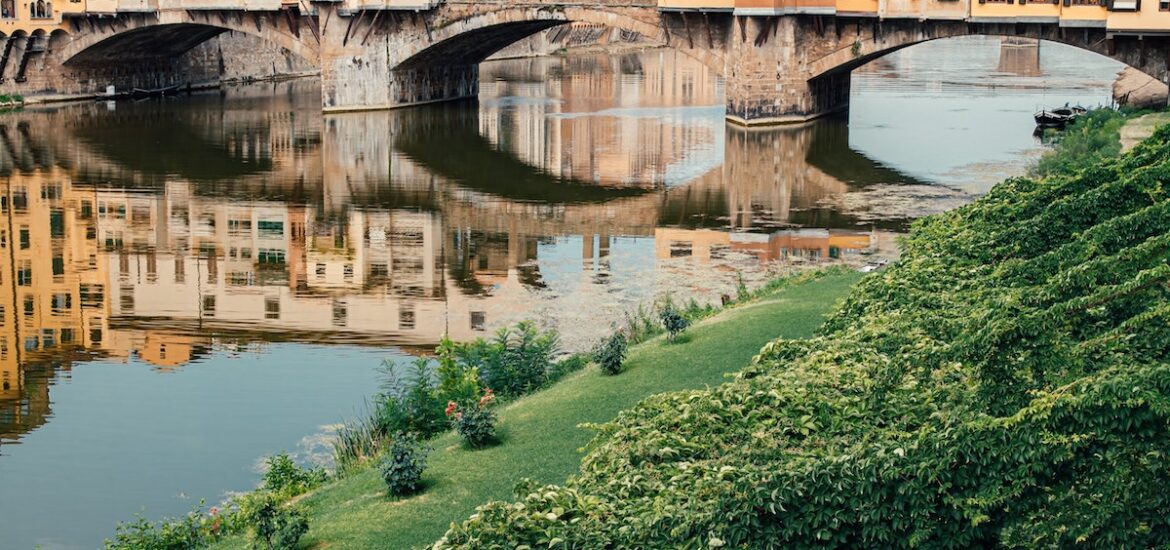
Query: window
58	266
57	223
340	314
209	305
272	308
62	302
30	343
405	317
48	339
51	191
126	299
25	241
270	229
66	336
680	249
19	199
86	210
240	227
180	270
1164	5
30	306
24	273
270	256
92	296
320	270
347	272
95	336
8	9
478	320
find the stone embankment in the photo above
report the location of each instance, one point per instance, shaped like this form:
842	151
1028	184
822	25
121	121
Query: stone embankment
1134	88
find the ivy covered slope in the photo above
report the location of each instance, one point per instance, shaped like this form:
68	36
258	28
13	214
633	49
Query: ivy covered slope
1006	383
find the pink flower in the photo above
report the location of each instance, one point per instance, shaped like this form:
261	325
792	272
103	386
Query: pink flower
451	407
488	398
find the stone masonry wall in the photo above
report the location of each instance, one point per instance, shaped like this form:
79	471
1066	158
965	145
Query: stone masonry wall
234	56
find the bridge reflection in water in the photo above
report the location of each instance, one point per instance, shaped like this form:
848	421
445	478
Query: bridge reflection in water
166	232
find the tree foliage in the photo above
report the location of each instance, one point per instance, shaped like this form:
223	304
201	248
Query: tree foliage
1004	384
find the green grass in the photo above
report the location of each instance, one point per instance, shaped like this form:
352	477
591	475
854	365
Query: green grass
540	436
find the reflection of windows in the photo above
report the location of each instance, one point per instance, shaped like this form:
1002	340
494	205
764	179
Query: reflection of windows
241	278
92	296
25	241
180	270
347	272
3	319
320	270
24	273
270	256
126	299
62	302
478	320
379	273
30	343
29	306
48	338
209	305
680	249
240	227
57	223
270	229
405	317
66	336
86	210
19	199
272	308
58	266
90	233
95	336
340	314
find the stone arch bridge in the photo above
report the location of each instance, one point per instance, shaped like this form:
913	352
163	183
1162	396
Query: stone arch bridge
785	66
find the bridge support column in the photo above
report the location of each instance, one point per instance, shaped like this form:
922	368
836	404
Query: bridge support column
430	84
768	76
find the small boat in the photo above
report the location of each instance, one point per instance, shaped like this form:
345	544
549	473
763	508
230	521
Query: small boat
1059	117
155	92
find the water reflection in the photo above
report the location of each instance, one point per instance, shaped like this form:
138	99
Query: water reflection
152	229
167	233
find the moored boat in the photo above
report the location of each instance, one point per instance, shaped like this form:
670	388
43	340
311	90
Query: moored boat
1059	117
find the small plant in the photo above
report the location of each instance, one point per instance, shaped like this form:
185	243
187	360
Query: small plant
274	526
673	322
403	464
284	477
611	354
476	423
741	290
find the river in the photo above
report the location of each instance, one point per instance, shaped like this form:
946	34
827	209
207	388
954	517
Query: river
189	284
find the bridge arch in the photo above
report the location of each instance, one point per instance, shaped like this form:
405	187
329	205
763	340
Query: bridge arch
168	35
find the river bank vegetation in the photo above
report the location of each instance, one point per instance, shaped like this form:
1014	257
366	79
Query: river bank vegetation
541	435
1006	383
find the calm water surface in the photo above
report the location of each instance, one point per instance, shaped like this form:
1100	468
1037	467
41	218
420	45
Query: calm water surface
188	285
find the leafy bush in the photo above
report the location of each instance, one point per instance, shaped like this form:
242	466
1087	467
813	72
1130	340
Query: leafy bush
403	464
1005	383
673	322
1094	136
283	476
475	422
515	362
274	525
611	353
195	530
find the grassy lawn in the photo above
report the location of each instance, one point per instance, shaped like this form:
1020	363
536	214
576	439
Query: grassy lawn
540	436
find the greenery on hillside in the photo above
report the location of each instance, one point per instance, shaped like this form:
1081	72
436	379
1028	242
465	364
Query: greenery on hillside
542	434
1093	137
1005	383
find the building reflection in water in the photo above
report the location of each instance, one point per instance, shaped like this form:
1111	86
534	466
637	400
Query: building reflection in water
162	231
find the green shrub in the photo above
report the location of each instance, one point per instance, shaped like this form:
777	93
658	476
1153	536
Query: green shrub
611	353
403	464
284	477
195	530
274	525
1093	137
516	361
1006	383
673	322
475	422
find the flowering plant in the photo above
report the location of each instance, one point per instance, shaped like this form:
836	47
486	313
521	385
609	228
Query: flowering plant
475	422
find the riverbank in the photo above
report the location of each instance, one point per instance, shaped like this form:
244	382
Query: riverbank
541	433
